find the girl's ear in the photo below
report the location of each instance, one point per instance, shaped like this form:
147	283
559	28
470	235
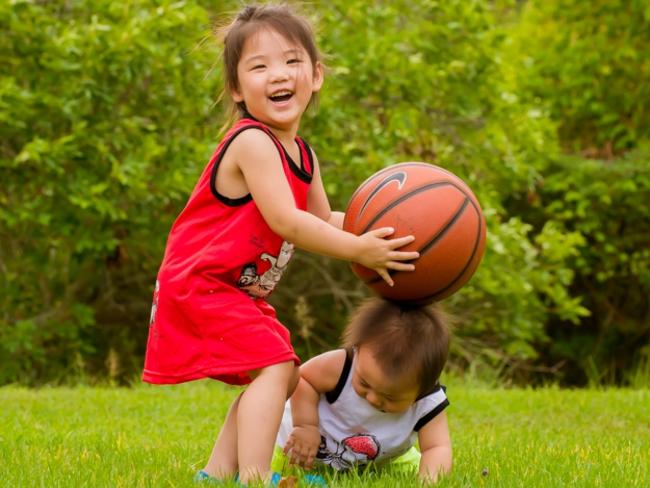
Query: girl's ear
319	76
236	96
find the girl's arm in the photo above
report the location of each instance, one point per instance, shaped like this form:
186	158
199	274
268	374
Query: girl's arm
257	157
435	446
317	376
317	202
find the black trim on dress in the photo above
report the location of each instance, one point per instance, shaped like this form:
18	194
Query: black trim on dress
310	157
298	170
234	202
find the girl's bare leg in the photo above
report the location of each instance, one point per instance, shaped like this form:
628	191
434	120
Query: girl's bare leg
223	460
258	419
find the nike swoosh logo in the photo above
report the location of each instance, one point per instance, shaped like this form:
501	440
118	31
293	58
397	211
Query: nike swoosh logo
399	177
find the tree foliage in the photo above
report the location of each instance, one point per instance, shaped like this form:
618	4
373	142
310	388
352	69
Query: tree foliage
109	111
105	121
585	61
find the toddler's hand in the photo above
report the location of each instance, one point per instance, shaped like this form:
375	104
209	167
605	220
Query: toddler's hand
380	253
302	445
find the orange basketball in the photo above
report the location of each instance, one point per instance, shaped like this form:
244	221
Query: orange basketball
436	207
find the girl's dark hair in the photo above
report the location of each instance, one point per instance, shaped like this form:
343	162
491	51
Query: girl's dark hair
404	339
278	17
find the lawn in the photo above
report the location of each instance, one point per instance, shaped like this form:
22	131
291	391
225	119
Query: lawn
159	436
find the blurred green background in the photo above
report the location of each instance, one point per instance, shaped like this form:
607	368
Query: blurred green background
110	110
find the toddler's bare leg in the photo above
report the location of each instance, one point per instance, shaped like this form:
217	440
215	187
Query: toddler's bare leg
258	419
223	460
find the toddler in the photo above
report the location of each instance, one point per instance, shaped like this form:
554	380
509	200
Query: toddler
370	401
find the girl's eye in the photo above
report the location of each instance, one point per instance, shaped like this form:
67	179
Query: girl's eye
294	61
257	66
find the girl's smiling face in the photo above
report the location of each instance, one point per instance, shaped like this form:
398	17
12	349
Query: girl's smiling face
276	80
383	393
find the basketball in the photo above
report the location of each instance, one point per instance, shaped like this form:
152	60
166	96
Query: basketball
436	207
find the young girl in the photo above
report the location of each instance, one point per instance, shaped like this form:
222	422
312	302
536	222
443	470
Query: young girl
260	194
370	401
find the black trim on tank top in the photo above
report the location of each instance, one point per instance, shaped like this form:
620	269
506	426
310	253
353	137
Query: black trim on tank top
332	396
435	388
297	170
310	157
431	415
232	202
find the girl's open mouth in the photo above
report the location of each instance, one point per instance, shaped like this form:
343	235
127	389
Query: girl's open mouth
281	96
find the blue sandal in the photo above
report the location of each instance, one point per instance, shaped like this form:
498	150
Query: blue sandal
311	479
203	477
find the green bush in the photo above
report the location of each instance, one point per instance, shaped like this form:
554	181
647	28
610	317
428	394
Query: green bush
105	121
109	113
585	61
583	64
607	205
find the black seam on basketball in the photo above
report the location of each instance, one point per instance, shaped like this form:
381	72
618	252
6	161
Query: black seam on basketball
399	176
455	280
392	168
442	232
448	225
469	261
408	195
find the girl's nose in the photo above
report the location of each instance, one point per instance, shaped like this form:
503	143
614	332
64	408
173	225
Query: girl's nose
279	73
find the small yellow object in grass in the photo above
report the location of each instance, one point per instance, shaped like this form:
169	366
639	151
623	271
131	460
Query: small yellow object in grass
288	482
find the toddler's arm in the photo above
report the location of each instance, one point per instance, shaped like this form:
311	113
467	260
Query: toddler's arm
317	376
302	444
257	157
435	445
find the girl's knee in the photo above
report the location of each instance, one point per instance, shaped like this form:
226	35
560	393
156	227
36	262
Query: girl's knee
293	381
286	369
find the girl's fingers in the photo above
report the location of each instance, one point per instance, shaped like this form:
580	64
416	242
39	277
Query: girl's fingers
397	266
385	276
403	256
401	241
383	232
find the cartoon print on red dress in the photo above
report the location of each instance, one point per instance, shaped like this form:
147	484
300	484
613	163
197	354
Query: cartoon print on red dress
353	450
261	286
154	305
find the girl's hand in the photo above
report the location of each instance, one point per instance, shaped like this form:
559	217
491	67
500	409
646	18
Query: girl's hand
380	254
302	445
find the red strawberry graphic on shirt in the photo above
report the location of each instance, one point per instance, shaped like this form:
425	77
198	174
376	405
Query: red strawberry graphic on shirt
358	449
363	444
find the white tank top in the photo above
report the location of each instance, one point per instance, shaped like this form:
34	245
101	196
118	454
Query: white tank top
355	433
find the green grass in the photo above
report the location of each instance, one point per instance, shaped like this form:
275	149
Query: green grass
159	436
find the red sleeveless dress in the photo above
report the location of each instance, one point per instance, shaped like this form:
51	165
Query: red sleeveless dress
209	317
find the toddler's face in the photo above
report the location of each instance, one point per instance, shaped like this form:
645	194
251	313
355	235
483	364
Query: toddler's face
276	79
384	394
